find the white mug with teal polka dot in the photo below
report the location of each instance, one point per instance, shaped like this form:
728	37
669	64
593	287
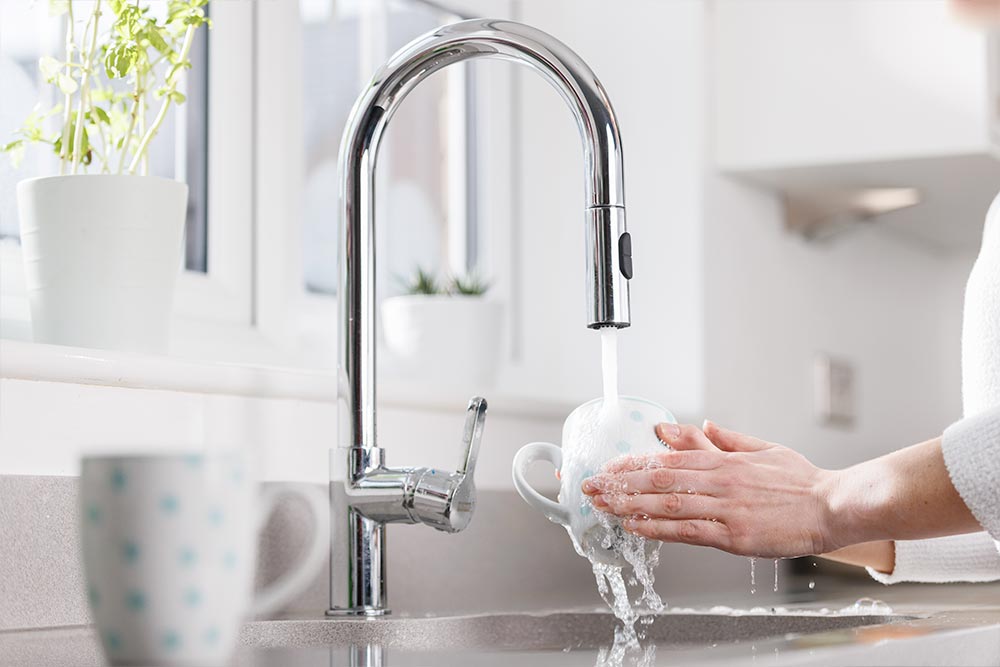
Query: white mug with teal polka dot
591	436
169	550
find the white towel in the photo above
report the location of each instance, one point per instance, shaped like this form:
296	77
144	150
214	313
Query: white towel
971	446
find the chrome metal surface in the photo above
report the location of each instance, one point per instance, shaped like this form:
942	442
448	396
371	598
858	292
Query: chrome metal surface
364	493
604	228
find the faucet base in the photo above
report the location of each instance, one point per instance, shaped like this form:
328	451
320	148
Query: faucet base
362	611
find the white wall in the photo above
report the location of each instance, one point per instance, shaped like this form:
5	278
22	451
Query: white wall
46	426
774	300
648	55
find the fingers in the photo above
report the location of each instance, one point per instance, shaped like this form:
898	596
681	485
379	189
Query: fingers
688	531
658	505
683	437
731	441
692	460
655	480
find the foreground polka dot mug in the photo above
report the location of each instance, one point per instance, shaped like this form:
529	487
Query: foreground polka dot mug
169	549
591	437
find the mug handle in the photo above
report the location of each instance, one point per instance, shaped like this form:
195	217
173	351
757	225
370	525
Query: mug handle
539	451
301	574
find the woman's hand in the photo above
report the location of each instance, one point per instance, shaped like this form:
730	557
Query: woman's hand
721	489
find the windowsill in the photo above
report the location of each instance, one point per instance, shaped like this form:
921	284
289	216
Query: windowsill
22	360
55	363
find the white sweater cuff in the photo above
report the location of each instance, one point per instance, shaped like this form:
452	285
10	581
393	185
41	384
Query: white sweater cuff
972	455
972	557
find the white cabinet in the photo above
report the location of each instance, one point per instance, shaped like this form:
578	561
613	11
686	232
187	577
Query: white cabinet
833	101
828	81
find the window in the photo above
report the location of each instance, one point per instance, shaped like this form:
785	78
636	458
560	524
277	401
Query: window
427	183
428	192
257	142
26	34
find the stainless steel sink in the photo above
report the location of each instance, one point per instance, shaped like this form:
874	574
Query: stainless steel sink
541	632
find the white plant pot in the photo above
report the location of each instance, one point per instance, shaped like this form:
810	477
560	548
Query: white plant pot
101	257
451	341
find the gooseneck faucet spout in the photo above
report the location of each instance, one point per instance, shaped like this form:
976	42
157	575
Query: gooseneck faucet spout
365	495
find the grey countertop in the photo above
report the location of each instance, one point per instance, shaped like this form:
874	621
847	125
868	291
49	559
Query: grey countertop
513	561
929	625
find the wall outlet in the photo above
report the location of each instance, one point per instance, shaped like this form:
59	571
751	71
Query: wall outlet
833	381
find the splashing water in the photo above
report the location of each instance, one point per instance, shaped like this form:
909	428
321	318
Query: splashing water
640	555
615	656
634	557
775	575
867	607
609	366
753	575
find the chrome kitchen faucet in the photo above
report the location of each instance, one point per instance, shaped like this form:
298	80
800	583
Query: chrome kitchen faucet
365	495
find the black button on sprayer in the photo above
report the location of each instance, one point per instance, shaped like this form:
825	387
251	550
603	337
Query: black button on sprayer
625	254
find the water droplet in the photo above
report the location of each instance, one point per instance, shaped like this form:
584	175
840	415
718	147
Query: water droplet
812	585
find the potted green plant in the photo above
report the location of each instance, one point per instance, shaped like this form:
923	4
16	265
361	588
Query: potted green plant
445	329
102	241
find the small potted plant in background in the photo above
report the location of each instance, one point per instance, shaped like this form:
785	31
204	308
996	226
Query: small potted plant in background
102	241
448	331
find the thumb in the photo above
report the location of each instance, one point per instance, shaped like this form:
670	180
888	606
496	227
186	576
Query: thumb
731	441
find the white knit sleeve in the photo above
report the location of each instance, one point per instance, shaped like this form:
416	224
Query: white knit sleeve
972	455
972	557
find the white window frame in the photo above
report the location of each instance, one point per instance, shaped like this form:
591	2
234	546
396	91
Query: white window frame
224	293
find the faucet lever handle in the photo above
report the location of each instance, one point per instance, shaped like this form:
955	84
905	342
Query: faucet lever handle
446	500
472	435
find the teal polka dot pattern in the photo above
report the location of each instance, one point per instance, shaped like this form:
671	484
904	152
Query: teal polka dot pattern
192	597
169	504
623	446
93	597
130	552
167	547
171	641
135	600
112	641
636	416
118	480
187	557
94	514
